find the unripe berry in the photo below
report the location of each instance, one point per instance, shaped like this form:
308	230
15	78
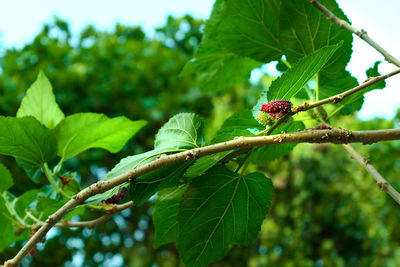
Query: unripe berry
265	119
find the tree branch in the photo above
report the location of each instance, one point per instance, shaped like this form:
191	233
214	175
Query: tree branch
339	97
114	209
362	34
336	135
380	181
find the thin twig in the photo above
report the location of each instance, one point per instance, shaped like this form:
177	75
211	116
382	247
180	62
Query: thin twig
337	136
339	97
114	209
362	34
380	181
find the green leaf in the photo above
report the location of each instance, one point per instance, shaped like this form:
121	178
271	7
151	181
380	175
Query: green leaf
220	209
266	154
81	131
125	165
9	225
216	66
40	103
204	163
293	80
355	101
373	72
165	215
6	180
304	30
24	201
331	87
250	28
182	131
26	140
236	125
146	186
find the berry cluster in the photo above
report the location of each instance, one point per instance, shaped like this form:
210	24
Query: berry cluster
277	106
273	111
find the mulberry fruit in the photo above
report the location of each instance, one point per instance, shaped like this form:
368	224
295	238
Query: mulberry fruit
277	106
116	199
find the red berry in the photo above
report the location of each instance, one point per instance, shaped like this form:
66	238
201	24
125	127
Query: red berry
277	106
321	127
116	199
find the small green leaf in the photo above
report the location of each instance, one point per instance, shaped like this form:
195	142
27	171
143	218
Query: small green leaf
304	29
293	80
40	103
250	28
9	225
373	72
220	209
26	140
165	215
6	180
269	153
145	186
182	131
24	201
81	131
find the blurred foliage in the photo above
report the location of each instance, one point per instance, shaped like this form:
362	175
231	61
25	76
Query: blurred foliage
327	210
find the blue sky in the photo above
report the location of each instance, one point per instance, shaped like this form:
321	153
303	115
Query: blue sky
21	20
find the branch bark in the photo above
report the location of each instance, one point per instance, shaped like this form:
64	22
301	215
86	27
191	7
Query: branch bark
339	97
336	135
380	181
114	209
362	34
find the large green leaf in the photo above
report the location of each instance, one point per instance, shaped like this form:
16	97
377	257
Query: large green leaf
220	209
293	80
250	28
6	180
182	131
304	30
81	131
373	72
165	215
266	154
40	103
26	140
216	66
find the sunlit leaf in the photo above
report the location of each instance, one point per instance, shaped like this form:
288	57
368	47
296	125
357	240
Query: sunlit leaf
81	131
40	103
182	131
